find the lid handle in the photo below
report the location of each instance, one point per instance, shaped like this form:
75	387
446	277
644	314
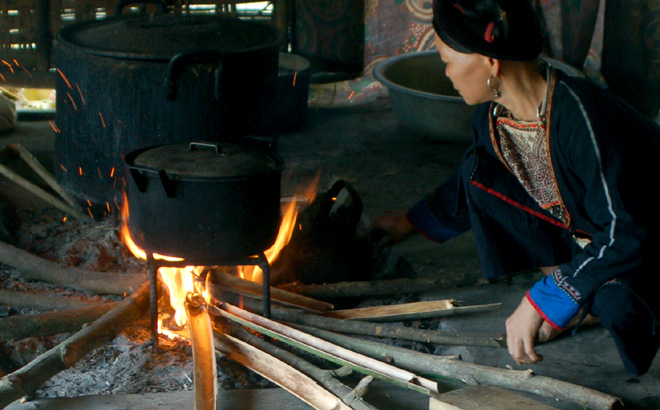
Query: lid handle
176	64
203	144
123	3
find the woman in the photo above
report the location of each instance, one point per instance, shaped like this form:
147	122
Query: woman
559	177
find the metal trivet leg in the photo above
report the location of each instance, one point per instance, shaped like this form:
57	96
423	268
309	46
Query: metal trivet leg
153	297
265	268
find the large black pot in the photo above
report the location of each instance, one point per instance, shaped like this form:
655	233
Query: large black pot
132	82
205	202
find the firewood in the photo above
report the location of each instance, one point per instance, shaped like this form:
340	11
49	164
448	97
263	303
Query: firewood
384	329
409	311
475	374
63	356
36	166
39	301
39	192
201	335
328	351
254	289
321	376
33	267
290	379
371	288
51	323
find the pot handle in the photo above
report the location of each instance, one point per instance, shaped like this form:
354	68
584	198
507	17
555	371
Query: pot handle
162	7
137	172
201	144
356	208
177	62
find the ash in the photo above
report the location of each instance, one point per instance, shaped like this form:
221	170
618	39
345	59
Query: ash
129	363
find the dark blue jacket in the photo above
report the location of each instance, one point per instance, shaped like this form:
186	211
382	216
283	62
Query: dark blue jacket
605	158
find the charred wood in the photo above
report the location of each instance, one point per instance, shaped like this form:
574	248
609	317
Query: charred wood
51	323
33	267
63	356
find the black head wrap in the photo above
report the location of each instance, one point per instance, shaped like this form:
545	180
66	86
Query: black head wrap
501	29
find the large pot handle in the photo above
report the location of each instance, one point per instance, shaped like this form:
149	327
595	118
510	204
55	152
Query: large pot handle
162	7
177	63
356	208
137	172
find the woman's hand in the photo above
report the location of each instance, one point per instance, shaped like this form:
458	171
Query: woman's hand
390	228
522	328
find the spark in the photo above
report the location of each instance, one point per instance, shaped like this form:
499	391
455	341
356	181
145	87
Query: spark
90	213
81	95
64	219
295	75
63	168
112	172
3	77
66	80
75	107
11	69
26	71
54	127
80	171
107	206
99	171
351	95
89	203
102	120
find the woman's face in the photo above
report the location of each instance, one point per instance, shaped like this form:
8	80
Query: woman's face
467	72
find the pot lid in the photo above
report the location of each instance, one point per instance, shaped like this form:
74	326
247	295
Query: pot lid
208	160
161	37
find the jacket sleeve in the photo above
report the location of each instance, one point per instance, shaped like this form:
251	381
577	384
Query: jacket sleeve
597	163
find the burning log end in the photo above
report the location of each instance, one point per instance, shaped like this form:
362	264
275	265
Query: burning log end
201	334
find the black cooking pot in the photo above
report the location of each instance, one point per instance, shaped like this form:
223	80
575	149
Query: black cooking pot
205	202
138	81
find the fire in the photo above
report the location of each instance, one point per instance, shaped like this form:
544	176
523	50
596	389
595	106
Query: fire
183	281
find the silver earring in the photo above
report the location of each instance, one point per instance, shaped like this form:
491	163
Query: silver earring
496	89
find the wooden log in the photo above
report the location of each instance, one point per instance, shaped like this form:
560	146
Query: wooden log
484	397
409	311
254	289
474	374
36	166
40	301
324	377
31	376
51	323
39	192
290	379
371	288
328	351
33	267
205	379
383	329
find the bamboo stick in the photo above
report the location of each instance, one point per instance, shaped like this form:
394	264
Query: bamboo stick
39	192
40	301
36	166
324	377
290	379
31	376
409	311
371	288
474	374
51	323
254	289
33	267
328	351
206	377
383	329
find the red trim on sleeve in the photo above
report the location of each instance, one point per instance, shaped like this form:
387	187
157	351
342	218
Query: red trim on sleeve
538	309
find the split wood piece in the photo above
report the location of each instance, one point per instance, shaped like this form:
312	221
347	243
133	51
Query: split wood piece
33	267
474	374
278	372
484	397
371	288
253	289
409	311
205	379
40	301
326	378
51	323
384	329
30	377
39	192
36	166
328	351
